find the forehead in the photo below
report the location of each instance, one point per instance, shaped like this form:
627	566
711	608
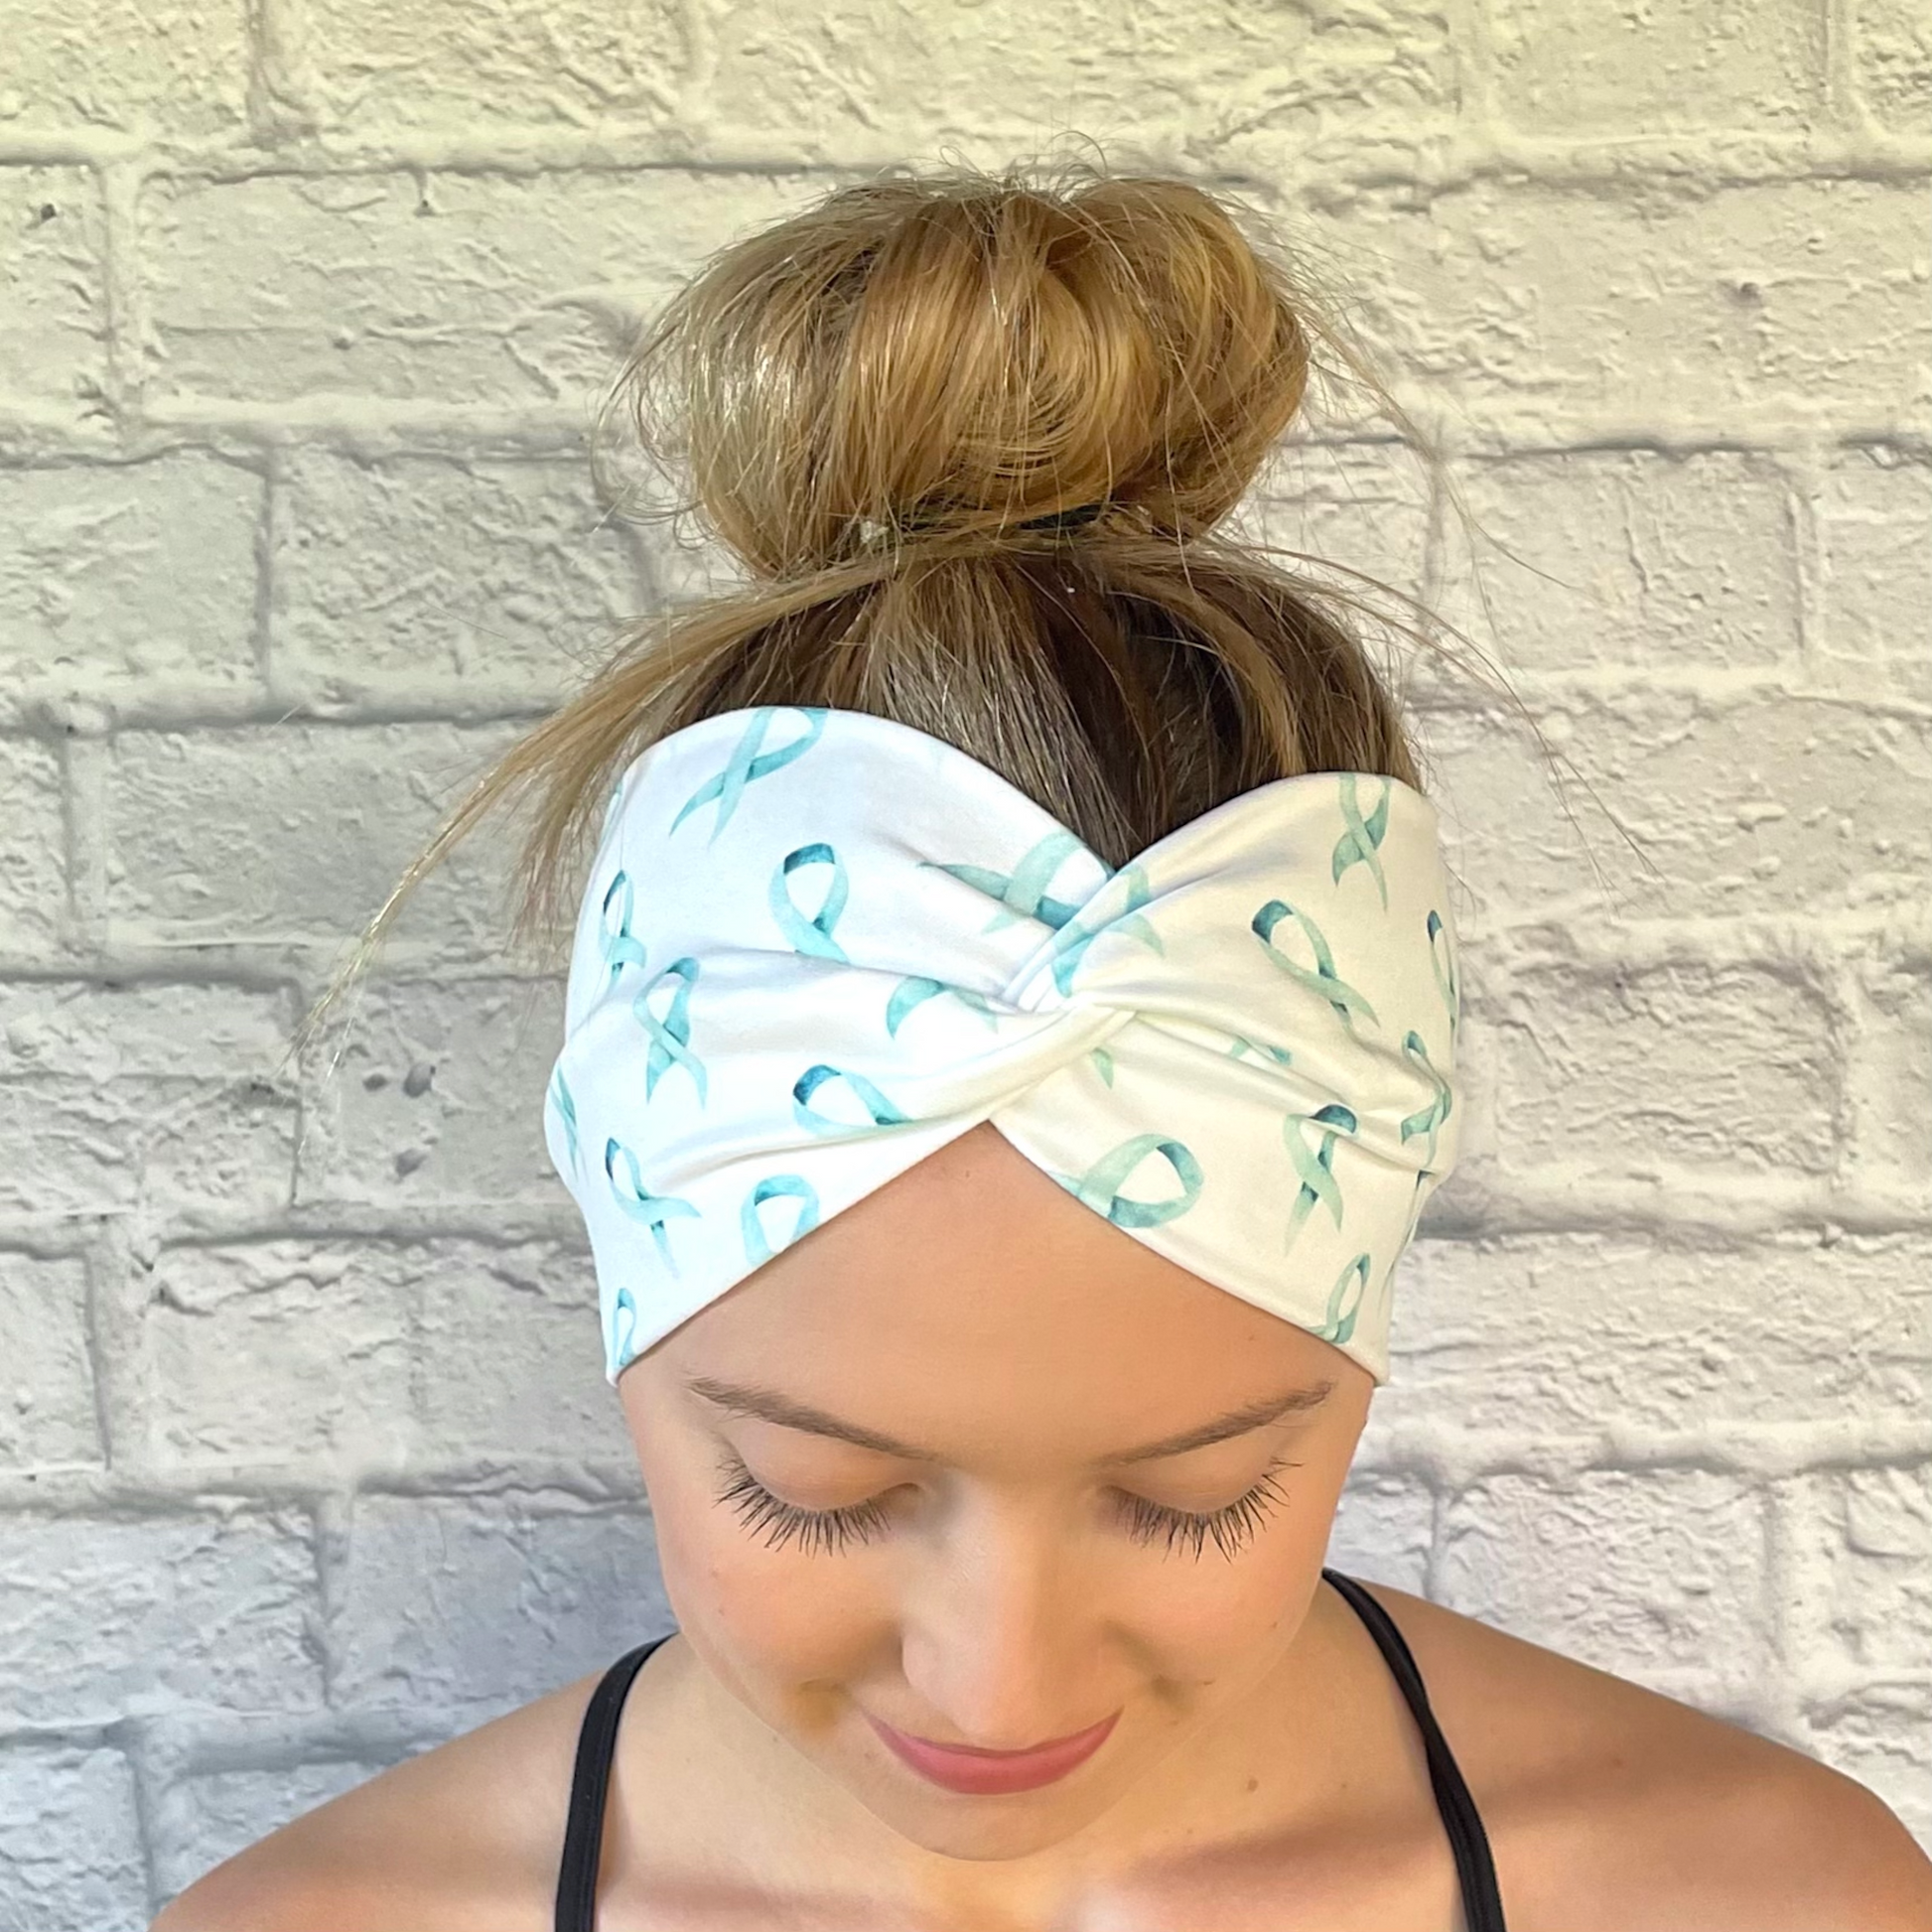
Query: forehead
973	1298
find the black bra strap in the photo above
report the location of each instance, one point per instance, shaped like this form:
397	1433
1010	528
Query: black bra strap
584	1831
1476	1870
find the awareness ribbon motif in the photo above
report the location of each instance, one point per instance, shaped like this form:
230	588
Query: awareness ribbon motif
1238	1048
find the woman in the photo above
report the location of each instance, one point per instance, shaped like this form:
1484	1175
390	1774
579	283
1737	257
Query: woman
994	1259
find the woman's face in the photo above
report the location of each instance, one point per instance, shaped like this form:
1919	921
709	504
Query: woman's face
999	1568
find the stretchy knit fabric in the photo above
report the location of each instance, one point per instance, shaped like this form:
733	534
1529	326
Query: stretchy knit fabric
1482	1905
816	946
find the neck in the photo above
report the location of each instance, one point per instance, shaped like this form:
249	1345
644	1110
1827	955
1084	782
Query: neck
1281	1761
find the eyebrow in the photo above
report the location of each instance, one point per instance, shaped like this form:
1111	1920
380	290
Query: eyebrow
773	1405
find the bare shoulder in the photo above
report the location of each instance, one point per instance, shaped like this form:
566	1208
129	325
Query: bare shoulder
1610	1806
464	1836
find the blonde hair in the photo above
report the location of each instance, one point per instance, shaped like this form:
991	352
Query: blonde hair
873	399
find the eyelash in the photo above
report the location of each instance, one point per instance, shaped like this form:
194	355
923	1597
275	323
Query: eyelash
831	1530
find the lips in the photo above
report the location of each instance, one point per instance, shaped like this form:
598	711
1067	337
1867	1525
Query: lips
981	1773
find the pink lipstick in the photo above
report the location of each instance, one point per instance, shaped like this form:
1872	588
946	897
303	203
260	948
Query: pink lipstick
982	1773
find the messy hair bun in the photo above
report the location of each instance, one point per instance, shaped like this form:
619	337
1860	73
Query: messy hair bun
971	438
964	356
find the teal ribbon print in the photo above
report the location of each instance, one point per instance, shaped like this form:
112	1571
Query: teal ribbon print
565	1103
815	935
815	922
914	991
1341	1324
1325	979
748	765
1316	1167
1448	981
1099	1187
772	1187
1361	843
623	1328
622	947
671	1038
1023	892
654	1210
1242	1047
882	1110
1429	1119
1070	948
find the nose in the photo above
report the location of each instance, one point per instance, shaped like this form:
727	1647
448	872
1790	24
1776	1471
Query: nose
998	1638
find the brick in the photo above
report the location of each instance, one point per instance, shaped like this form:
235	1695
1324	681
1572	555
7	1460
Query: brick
1874	576
1889	1071
488	1603
1650	1072
438	1095
1565	1335
1893	47
279	1351
1566	67
1583	329
1882	1736
205	1819
290	1351
1383	1531
1268	79
46	1385
104	1618
512	1358
168	68
51	248
128	576
1698	308
33	849
158	1093
1644	1572
568	68
421	576
1347	507
763	80
1642	559
1863	1542
289	831
69	1843
278	288
1770	803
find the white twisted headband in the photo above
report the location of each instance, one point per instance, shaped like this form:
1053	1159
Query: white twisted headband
1238	1048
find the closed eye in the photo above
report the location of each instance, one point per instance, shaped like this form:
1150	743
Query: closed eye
820	1531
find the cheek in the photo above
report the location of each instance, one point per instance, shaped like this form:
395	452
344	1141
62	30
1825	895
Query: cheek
1206	1619
1211	1618
777	1615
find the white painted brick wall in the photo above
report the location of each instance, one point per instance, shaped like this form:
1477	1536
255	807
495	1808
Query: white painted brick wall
306	1462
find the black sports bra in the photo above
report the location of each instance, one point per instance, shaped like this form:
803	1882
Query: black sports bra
1482	1905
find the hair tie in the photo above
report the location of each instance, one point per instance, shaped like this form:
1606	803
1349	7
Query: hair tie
873	530
1072	519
